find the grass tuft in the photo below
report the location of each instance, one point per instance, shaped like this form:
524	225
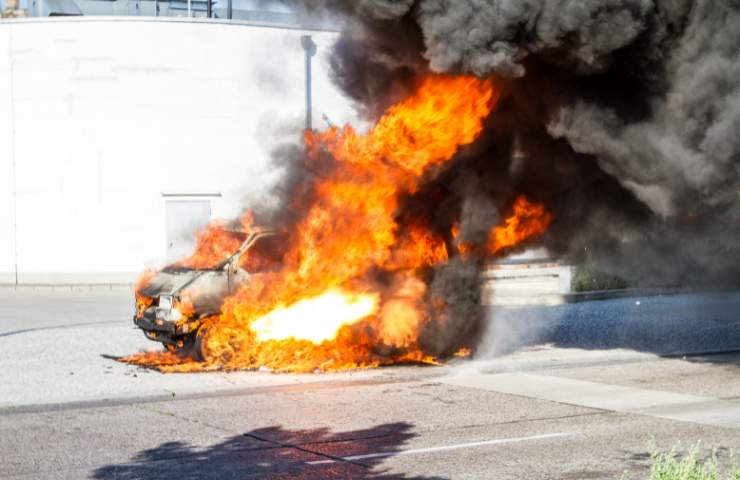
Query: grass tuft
669	466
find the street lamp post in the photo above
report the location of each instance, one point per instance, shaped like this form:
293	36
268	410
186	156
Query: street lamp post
309	47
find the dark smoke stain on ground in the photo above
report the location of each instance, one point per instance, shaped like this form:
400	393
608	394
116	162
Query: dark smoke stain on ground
273	452
625	115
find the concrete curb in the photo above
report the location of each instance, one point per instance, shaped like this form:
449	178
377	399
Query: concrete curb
576	297
552	299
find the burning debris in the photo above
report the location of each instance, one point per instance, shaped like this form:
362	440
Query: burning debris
603	130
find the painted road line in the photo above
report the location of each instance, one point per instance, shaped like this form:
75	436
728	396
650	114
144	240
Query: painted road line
654	403
457	446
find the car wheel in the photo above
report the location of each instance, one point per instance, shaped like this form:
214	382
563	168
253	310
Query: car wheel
199	352
187	343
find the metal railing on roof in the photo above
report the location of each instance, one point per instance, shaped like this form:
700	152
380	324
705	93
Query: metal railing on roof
237	10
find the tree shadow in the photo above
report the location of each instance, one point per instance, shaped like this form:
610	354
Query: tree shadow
671	325
275	453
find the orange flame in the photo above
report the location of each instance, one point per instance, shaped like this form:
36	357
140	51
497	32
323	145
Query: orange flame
216	243
143	302
213	245
350	228
529	220
462	247
417	248
323	307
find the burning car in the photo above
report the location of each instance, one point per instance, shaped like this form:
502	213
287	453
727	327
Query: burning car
174	304
357	278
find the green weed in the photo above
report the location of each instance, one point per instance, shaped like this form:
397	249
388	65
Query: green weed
670	466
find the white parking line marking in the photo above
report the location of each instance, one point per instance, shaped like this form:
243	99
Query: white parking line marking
413	451
654	403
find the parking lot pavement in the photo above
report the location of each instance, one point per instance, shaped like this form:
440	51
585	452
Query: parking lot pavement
58	347
548	397
404	430
29	309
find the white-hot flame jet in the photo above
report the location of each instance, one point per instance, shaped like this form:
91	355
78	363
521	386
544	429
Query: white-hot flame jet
316	319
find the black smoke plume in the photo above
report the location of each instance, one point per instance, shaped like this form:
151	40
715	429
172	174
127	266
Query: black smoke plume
621	116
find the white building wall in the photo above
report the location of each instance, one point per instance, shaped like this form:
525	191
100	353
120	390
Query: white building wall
109	114
7	247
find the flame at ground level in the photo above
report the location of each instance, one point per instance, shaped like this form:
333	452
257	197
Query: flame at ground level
315	319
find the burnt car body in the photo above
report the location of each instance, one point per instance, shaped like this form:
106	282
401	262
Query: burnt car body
175	304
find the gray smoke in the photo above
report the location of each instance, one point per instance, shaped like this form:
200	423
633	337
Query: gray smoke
686	153
482	37
496	36
458	323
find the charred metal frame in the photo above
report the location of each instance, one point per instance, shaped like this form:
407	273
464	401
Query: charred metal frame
170	332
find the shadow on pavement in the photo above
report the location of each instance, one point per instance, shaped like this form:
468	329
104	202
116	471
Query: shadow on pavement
275	453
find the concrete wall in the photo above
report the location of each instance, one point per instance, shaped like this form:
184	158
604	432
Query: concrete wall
101	116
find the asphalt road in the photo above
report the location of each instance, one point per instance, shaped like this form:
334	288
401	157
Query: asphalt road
27	309
564	392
